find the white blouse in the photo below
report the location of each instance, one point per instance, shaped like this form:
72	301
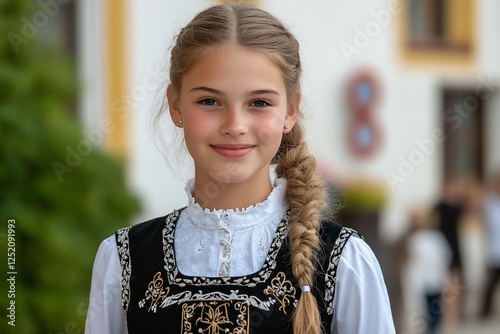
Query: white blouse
236	243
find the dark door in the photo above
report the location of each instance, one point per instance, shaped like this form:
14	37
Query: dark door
463	127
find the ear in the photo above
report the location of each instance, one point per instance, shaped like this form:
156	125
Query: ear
173	104
292	113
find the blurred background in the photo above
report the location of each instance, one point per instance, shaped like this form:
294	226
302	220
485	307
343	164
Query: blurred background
402	103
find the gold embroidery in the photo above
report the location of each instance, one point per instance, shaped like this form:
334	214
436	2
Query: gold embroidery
187	314
213	317
282	289
241	320
155	293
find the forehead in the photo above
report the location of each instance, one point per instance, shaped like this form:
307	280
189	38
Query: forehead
234	67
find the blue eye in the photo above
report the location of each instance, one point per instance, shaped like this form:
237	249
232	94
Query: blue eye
260	104
209	102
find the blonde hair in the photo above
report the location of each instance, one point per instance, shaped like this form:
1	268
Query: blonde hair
254	28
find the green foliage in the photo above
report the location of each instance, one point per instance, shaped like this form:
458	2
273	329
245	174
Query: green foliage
60	220
363	196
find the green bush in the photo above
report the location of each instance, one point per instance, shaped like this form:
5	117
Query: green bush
363	195
60	219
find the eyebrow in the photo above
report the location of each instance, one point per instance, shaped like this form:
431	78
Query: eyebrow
218	92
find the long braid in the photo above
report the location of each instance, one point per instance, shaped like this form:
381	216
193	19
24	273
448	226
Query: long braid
306	198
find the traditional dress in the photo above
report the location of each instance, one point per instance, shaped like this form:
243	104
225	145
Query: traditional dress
228	271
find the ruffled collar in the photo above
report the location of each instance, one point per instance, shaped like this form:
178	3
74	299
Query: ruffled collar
270	210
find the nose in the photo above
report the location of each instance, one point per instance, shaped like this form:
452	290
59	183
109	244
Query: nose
235	122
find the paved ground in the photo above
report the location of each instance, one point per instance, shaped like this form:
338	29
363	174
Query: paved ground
474	327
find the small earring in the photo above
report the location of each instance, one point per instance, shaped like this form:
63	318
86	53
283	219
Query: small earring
179	123
285	126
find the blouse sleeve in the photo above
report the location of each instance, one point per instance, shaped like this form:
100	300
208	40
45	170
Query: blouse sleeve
361	301
105	314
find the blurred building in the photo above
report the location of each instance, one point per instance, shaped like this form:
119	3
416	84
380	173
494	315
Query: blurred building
435	64
397	94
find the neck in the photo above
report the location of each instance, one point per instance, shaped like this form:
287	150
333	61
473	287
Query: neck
223	196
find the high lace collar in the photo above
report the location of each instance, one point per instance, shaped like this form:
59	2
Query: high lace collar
272	209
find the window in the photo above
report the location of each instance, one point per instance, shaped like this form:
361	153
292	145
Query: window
439	32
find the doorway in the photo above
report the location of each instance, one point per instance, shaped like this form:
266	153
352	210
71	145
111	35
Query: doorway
463	116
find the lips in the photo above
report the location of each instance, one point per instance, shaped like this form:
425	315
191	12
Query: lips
233	150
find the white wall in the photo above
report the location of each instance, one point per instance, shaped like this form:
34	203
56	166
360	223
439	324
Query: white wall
408	112
492	125
490	74
91	62
153	25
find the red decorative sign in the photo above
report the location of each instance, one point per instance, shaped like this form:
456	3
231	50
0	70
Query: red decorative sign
364	135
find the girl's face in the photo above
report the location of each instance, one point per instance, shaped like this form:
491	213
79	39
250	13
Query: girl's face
233	106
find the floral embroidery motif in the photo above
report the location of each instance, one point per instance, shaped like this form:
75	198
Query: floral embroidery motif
282	289
122	245
155	293
241	320
331	273
212	317
249	280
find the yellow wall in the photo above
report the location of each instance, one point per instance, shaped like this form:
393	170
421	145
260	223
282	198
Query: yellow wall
116	75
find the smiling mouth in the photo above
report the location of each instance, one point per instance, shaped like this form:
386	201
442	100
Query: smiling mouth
233	150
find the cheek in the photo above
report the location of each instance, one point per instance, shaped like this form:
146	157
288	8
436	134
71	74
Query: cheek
195	134
270	130
196	125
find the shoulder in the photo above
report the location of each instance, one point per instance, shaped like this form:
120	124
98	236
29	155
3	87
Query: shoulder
329	231
334	236
106	269
106	251
361	301
142	237
149	227
358	257
344	244
346	250
158	222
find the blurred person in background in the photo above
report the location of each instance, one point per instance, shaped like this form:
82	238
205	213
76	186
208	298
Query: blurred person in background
424	272
471	237
448	212
492	219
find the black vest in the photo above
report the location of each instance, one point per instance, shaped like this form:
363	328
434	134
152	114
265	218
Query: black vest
158	298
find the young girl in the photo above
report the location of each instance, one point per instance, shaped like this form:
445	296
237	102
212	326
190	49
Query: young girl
249	253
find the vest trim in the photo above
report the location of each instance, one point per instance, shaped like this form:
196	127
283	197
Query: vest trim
153	288
331	272
123	247
176	277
